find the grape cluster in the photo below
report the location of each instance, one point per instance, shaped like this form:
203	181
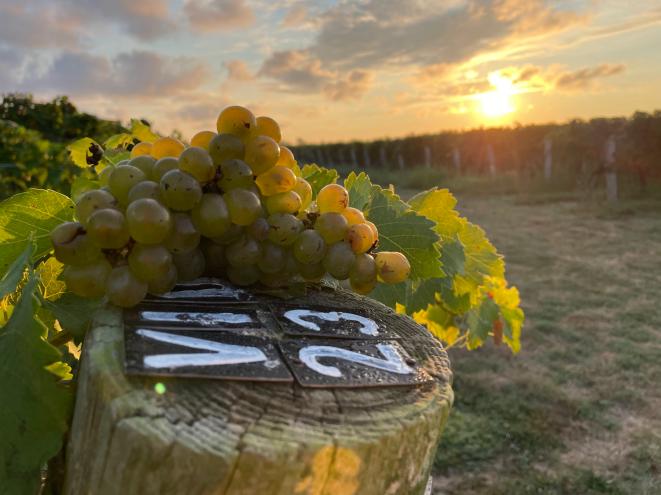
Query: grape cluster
231	205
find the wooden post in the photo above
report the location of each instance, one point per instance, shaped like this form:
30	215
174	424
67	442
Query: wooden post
548	158
400	161
148	435
427	157
491	160
456	159
354	160
366	156
611	176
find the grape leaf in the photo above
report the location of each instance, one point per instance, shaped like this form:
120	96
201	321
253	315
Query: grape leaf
142	131
482	259
81	185
480	320
318	177
438	205
14	274
34	213
73	312
360	189
79	151
35	407
118	141
49	272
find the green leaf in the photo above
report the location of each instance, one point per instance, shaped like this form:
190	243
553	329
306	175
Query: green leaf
142	131
35	214
35	407
79	151
118	141
12	277
403	230
438	205
360	189
480	322
390	294
49	272
73	312
81	185
318	177
453	258
482	259
113	158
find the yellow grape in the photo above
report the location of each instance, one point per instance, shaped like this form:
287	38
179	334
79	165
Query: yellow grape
353	215
392	267
363	288
167	146
202	139
375	231
262	153
266	126
286	202
332	198
236	120
304	190
276	180
286	158
141	149
360	238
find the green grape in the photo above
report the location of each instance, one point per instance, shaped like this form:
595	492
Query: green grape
149	221
243	275
332	227
149	261
360	237
243	252
214	256
273	258
262	153
163	283
332	198
235	174
353	215
179	190
392	267
339	259
163	166
244	207
183	236
87	280
72	245
266	126
197	162
276	180
311	272
210	216
145	189
259	229
363	270
309	247
291	265
304	190
363	288
286	202
233	233
286	158
108	229
123	288
145	163
122	179
284	228
190	265
104	175
225	147
236	120
90	201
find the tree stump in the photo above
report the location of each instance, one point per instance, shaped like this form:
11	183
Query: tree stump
210	436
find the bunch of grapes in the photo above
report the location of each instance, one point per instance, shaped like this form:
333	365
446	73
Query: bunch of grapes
232	205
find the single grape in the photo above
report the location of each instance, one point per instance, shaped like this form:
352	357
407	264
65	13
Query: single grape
72	245
123	288
87	280
164	283
304	190
145	163
93	200
311	272
141	149
167	146
339	259
214	256
392	267
375	231
332	227
273	258
244	207
243	252
183	236
108	229
286	202
258	230
211	216
309	247
149	221
104	175
197	162
149	262
122	179
262	153
225	147
276	180
266	126
190	265
363	270
332	198
180	191
286	158
202	139
236	120
233	233
284	228
291	265
243	275
360	237
353	215
363	288
145	189
235	174
163	166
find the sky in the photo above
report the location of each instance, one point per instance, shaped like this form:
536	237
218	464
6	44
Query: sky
337	70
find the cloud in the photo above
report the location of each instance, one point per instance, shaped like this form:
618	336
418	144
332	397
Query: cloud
296	17
584	78
354	86
37	26
237	70
218	15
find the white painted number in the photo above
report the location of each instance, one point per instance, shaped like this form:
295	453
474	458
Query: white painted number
393	362
204	319
368	326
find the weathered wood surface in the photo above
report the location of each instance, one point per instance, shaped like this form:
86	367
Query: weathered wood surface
235	438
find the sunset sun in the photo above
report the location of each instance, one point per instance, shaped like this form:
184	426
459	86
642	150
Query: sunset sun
497	102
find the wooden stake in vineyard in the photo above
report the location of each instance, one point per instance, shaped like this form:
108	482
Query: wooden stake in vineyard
611	176
548	158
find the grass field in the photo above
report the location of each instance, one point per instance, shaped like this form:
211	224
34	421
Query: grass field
578	411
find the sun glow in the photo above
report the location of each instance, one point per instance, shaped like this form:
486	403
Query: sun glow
497	102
